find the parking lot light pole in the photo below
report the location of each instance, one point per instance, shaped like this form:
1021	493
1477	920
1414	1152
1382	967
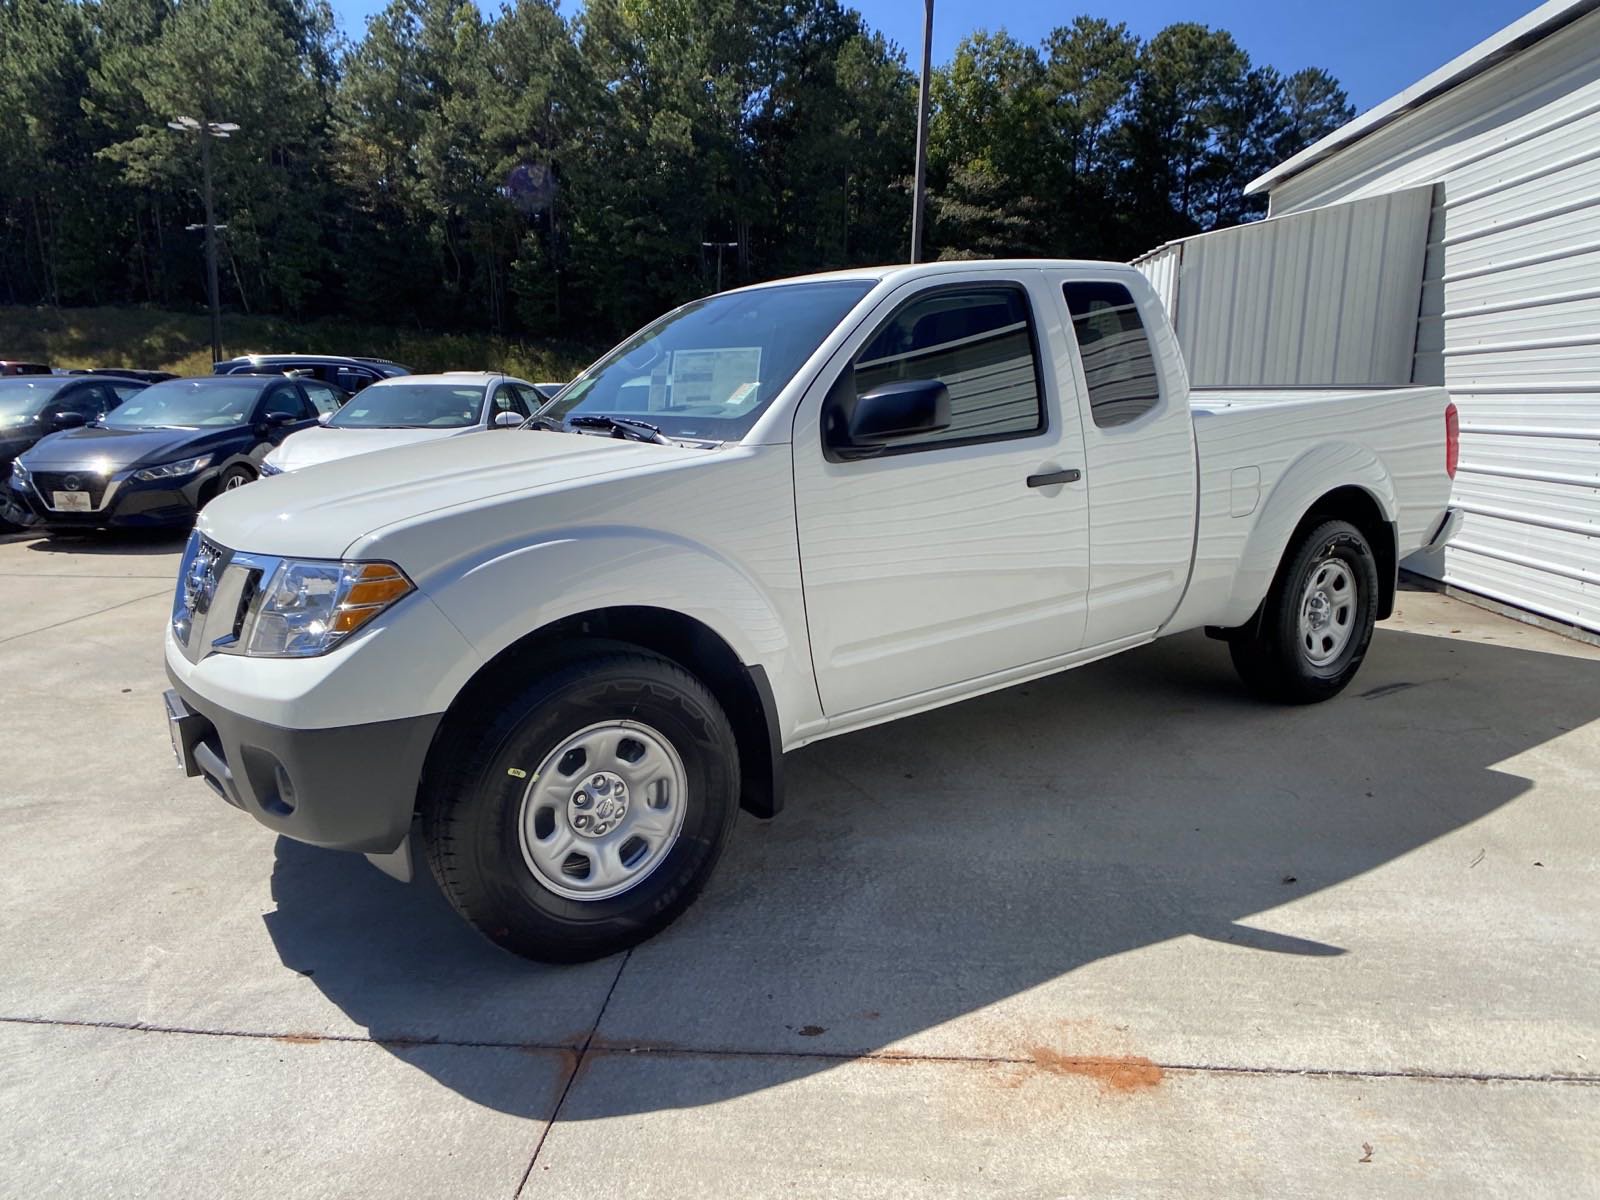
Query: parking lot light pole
721	246
206	131
919	189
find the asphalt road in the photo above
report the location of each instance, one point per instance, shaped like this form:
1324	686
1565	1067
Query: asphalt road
1121	932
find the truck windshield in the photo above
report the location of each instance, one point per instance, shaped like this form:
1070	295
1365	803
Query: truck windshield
709	369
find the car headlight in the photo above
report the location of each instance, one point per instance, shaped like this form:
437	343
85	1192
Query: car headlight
306	607
173	470
267	469
20	475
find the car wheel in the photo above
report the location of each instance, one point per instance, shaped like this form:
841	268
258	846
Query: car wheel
234	477
1316	623
577	814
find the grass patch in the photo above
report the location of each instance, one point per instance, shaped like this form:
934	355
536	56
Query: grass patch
172	341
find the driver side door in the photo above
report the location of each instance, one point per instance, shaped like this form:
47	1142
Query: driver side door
950	555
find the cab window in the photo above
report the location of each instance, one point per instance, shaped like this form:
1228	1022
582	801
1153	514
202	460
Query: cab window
976	340
1118	366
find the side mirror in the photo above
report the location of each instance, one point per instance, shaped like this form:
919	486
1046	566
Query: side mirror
902	409
279	419
508	420
66	419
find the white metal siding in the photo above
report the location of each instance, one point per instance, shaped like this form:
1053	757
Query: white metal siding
1510	309
1322	298
1160	267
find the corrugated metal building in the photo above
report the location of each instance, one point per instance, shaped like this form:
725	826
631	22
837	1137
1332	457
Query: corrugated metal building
1327	296
1508	138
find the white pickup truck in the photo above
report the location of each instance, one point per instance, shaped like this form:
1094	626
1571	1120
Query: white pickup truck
777	514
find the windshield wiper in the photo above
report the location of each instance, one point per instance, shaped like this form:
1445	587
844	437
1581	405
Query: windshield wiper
622	427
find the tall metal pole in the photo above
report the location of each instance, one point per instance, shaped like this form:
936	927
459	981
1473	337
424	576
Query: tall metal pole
211	244
720	246
919	194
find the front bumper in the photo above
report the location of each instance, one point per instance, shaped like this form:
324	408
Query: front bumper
121	503
353	787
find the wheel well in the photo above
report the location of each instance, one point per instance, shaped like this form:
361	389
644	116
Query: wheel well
744	692
1356	505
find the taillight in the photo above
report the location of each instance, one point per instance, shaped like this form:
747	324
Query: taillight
1452	439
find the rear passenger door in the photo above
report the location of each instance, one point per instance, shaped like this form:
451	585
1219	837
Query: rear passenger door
957	554
1141	458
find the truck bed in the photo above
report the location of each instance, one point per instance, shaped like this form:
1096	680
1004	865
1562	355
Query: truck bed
1386	440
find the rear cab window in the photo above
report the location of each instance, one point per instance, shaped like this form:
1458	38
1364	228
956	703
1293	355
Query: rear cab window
1118	364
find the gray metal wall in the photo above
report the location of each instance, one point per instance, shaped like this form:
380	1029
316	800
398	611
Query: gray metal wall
1511	309
1327	297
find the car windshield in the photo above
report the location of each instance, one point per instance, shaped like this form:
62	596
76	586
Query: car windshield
411	406
709	369
188	404
22	397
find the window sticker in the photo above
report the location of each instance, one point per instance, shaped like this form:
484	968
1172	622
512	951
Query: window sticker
724	377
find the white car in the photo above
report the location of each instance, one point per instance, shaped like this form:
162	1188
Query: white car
777	514
409	409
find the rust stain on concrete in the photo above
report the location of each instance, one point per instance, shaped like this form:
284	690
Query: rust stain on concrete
1115	1073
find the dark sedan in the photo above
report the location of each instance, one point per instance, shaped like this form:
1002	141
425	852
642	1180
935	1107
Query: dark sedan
159	457
33	406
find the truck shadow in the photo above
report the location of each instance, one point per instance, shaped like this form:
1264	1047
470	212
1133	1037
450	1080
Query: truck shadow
927	870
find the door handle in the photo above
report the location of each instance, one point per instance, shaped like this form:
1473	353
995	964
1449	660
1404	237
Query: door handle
1051	478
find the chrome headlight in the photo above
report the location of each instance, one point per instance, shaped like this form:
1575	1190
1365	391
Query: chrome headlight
20	475
267	469
173	470
304	607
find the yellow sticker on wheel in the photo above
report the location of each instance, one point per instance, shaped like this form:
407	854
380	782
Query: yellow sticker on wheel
516	772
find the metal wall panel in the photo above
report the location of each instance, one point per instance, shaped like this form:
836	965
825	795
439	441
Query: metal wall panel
1160	267
1327	297
1510	317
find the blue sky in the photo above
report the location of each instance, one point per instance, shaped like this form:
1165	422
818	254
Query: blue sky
1374	47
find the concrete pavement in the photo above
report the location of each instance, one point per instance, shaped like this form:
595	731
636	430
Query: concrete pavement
1119	932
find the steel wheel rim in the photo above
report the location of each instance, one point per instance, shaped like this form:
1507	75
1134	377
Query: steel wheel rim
236	480
612	795
1328	608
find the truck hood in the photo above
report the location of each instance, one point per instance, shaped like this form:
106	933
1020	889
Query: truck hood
322	444
320	511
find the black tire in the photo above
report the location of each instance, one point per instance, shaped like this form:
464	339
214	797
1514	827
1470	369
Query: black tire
235	476
1277	658
472	809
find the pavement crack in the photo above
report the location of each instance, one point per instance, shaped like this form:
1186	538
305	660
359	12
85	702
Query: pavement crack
895	1057
572	1076
292	1036
83	616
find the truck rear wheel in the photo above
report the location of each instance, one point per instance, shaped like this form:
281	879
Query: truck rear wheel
583	811
1314	627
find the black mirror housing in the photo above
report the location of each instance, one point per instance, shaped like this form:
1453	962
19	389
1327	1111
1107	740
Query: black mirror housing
901	409
65	418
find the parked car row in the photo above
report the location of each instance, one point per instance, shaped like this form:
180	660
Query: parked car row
101	449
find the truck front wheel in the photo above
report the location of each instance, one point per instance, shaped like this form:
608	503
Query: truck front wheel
1315	625
578	814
